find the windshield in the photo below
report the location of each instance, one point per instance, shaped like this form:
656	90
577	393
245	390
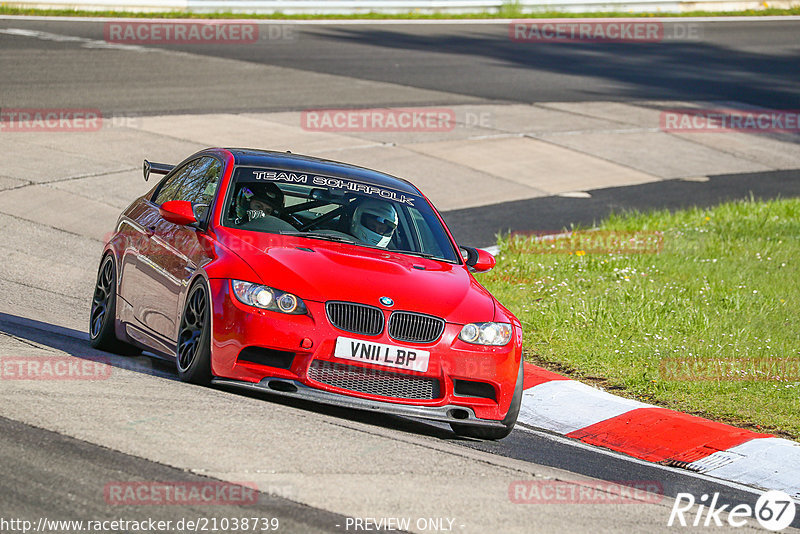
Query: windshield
336	209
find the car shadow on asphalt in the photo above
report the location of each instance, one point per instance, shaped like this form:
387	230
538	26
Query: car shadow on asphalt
480	226
48	337
659	69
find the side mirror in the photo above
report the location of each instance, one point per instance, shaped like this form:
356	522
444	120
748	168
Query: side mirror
479	260
178	212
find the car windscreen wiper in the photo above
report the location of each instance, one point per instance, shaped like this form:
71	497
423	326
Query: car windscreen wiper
326	237
420	254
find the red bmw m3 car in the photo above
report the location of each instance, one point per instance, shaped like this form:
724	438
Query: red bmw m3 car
311	279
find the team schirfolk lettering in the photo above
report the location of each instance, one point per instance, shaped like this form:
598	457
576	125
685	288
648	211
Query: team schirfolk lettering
336	183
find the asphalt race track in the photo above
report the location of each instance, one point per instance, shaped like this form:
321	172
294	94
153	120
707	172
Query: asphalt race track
755	63
567	112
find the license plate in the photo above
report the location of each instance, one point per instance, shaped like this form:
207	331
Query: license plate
381	354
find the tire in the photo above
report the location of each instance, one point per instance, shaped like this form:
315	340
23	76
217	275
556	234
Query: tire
193	353
481	432
103	312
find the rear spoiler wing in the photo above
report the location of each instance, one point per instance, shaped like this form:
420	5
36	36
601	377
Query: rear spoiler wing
157	168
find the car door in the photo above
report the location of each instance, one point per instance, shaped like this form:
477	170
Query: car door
174	251
140	290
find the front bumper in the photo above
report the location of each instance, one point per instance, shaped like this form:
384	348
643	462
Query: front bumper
309	340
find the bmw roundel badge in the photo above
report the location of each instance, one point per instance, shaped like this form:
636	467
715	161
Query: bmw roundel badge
386	301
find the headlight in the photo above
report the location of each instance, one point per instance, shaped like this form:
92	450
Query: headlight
268	298
486	333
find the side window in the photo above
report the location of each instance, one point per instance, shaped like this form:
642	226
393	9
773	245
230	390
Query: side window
201	185
202	181
171	187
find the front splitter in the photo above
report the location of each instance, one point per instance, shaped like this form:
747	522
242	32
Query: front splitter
297	390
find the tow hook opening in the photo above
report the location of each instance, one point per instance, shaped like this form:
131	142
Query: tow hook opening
458	414
279	385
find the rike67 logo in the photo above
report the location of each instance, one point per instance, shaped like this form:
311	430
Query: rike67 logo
774	510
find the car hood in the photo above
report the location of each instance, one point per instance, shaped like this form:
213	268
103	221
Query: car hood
318	270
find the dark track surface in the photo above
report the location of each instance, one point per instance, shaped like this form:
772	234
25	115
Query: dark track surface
749	62
47	475
753	62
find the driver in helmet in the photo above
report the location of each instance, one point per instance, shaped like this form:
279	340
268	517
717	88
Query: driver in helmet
254	201
374	222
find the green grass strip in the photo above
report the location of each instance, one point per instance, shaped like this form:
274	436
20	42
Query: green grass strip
697	310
